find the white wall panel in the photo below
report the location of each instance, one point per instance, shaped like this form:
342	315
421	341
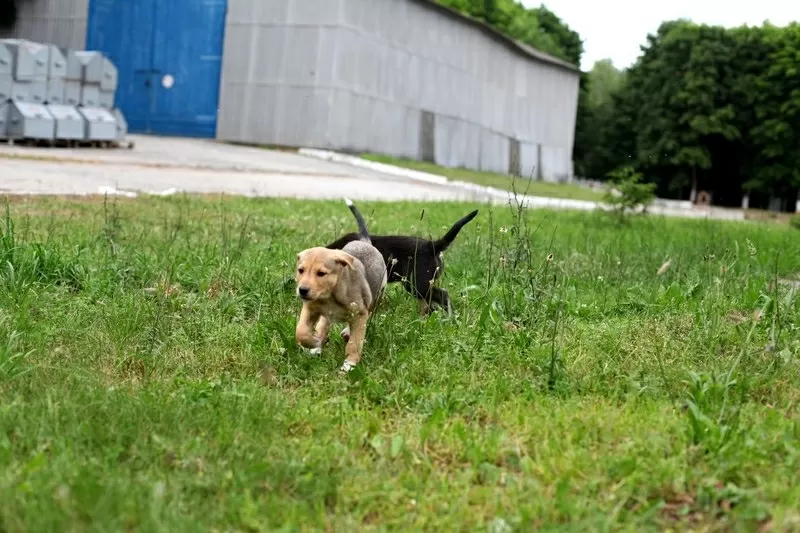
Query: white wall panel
356	75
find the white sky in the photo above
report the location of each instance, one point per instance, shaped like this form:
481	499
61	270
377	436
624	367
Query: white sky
616	28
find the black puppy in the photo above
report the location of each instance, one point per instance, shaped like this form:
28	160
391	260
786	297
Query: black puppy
413	261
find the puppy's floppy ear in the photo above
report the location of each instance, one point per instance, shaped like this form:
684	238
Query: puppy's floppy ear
345	259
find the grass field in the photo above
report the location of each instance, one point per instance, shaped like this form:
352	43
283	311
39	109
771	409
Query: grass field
149	378
498	181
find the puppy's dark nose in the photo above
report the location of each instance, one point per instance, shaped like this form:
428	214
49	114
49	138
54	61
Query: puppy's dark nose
303	292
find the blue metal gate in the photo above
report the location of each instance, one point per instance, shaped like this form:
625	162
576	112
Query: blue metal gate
169	57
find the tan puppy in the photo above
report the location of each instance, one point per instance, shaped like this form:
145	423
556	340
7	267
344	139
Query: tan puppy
339	286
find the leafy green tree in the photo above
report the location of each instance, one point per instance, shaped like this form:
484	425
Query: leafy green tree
491	11
685	113
605	80
568	40
595	137
777	108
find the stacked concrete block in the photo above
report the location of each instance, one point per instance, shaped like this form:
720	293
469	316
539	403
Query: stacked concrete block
72	92
30	121
100	124
29	71
69	123
92	81
30	92
4	120
50	94
5	87
56	75
109	84
23	105
97	76
6	70
122	125
28	60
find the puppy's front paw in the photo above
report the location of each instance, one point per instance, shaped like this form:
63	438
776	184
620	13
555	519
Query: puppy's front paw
346	367
346	334
313	351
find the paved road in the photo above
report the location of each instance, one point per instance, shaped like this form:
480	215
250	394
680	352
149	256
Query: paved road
162	165
200	166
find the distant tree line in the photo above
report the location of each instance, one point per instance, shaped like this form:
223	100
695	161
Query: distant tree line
704	108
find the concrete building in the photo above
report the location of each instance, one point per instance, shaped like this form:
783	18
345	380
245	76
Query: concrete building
408	78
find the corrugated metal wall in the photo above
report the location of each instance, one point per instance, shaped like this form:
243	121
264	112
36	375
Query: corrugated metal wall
61	22
359	75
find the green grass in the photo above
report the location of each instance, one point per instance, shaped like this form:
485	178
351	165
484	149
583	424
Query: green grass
498	181
149	378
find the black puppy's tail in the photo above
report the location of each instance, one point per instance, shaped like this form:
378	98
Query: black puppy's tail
442	244
362	226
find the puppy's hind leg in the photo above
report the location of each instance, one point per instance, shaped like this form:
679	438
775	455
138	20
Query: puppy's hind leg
429	296
424	307
441	298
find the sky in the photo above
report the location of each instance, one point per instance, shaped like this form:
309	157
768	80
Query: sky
616	28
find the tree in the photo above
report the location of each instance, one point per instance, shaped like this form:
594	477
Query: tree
491	11
568	40
777	108
594	135
604	81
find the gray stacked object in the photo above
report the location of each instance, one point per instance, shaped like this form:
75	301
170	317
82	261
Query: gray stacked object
30	121
29	71
72	92
97	78
70	125
100	124
56	75
5	88
109	84
50	94
5	73
4	120
24	109
122	124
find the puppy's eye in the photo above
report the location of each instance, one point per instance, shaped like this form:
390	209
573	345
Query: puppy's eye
300	270
321	273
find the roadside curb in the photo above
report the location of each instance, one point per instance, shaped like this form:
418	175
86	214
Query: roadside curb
491	193
427	177
383	168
